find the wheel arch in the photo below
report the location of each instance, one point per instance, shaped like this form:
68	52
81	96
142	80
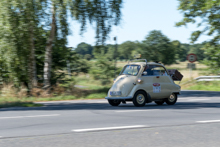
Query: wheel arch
147	94
177	93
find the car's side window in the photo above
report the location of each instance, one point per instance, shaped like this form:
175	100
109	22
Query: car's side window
159	71
148	71
154	70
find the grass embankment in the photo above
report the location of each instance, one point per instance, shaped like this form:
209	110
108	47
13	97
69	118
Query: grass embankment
18	104
29	101
206	86
87	88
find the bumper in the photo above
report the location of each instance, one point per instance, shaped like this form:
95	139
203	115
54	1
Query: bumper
118	98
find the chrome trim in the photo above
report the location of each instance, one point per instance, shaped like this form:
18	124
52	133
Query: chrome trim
118	98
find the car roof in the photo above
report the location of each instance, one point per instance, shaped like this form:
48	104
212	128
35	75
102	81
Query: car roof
144	63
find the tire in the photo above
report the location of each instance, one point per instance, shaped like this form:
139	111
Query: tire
139	99
159	102
114	102
172	99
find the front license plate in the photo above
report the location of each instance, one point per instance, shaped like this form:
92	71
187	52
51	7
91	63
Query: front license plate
115	93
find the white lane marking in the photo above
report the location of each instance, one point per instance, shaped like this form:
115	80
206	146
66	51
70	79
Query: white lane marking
183	98
193	98
29	116
109	128
198	100
134	110
208	121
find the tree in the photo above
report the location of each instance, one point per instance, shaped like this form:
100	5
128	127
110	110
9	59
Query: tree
125	50
198	49
207	11
103	69
157	47
50	40
19	32
84	48
88	56
103	13
181	50
110	51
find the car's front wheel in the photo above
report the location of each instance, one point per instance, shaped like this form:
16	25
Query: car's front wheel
172	99
139	99
114	102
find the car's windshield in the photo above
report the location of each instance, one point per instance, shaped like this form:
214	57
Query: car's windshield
131	70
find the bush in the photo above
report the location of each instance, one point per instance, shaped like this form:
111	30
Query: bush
103	70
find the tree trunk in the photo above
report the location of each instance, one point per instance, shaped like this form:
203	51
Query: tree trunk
48	53
32	61
32	81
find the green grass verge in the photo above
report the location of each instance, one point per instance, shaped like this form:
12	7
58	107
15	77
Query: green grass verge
18	104
29	102
207	86
96	95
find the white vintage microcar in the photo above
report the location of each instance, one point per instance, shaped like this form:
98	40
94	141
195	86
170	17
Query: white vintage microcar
143	82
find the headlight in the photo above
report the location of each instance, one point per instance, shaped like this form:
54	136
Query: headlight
139	80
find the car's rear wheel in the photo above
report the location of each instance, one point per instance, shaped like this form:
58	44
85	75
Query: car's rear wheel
171	100
139	99
114	102
159	102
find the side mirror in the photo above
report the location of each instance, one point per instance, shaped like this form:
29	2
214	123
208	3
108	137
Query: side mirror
144	73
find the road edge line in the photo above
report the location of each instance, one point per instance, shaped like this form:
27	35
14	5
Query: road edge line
109	128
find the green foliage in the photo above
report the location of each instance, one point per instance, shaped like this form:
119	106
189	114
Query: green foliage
85	50
64	57
207	11
68	83
198	49
111	52
207	86
181	52
80	65
17	18
157	47
213	52
162	50
102	13
88	56
103	69
17	103
125	50
22	19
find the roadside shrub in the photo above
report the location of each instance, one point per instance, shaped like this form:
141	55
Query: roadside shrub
103	70
9	90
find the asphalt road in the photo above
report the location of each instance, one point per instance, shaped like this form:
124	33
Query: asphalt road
193	121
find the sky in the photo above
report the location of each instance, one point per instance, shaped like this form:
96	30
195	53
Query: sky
139	17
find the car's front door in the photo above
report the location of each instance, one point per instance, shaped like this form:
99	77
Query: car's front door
156	81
